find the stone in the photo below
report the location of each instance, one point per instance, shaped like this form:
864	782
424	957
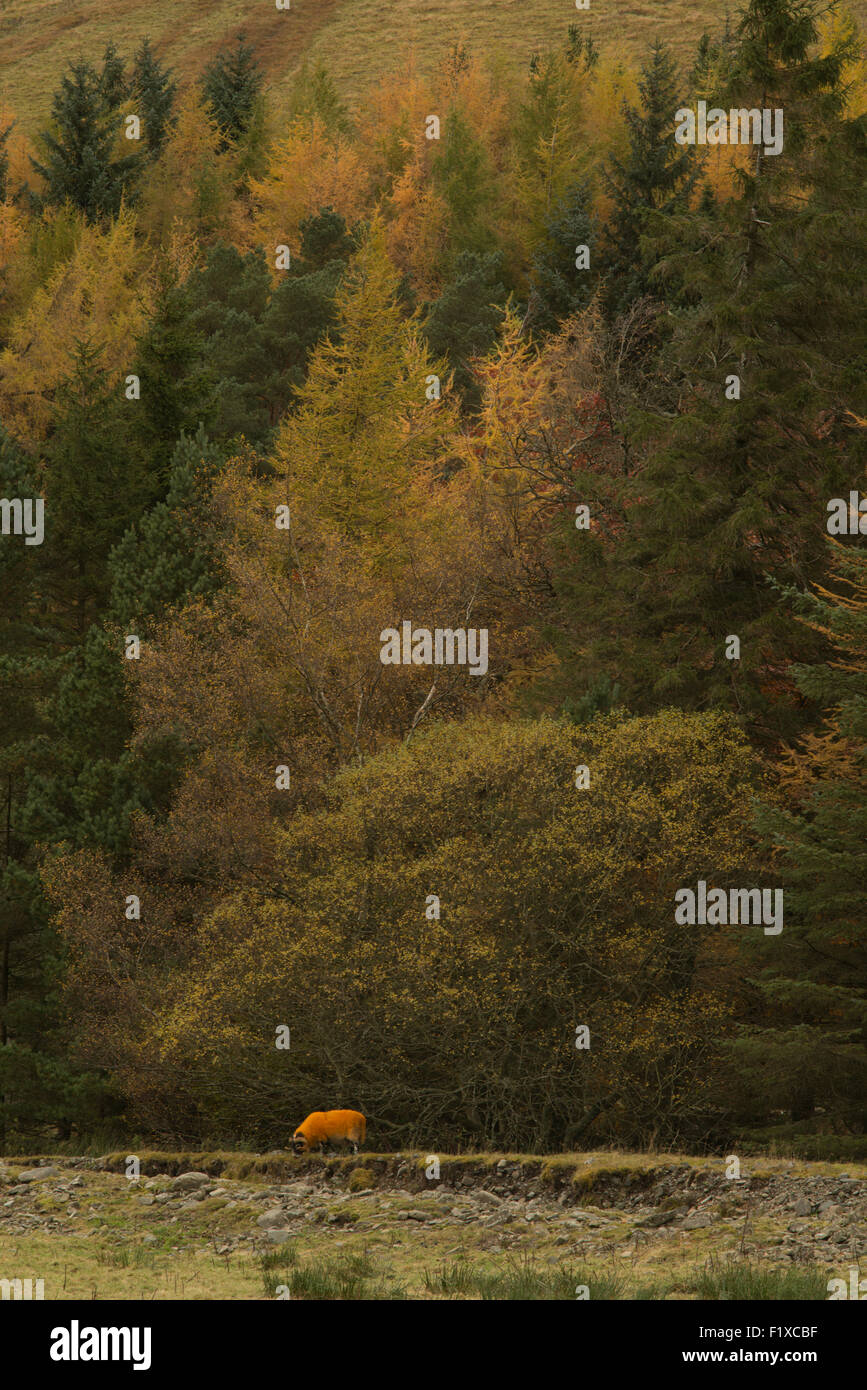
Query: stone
696	1222
38	1174
186	1182
270	1219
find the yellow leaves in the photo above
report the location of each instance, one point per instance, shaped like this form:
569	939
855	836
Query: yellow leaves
101	295
549	918
310	169
188	191
838	27
417	229
365	429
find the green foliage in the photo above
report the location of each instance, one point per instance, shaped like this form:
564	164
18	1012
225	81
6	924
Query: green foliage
807	1049
463	322
556	908
315	95
78	164
167	557
231	85
463	175
113	81
700	525
155	92
656	176
558	287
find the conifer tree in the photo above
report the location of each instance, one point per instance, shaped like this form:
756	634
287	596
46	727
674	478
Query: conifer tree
753	442
177	388
166	557
463	322
231	85
808	1043
564	270
154	91
78	163
463	175
4	158
314	94
113	83
364	422
657	176
96	486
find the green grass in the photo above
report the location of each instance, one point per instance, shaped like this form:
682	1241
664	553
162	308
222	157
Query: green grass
522	1280
351	1276
359	39
757	1283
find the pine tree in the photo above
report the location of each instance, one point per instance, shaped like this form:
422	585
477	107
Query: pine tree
657	176
462	174
324	239
464	321
113	83
752	442
167	558
155	92
177	388
231	86
559	286
4	158
37	1084
809	1041
79	166
95	487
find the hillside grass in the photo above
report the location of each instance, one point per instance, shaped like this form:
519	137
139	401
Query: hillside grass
359	40
106	1244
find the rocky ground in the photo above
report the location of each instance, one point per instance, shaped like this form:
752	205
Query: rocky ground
205	1229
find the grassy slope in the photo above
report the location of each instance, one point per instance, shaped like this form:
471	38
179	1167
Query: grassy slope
358	39
97	1249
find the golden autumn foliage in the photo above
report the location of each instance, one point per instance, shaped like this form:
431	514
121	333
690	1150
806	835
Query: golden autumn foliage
190	189
99	295
556	909
310	168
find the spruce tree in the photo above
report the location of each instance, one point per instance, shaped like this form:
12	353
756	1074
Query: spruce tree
810	1017
113	83
231	86
155	91
737	470
78	165
177	388
464	321
4	159
463	175
657	175
96	486
559	286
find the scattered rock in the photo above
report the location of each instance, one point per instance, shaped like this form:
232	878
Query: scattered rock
697	1222
270	1219
187	1182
